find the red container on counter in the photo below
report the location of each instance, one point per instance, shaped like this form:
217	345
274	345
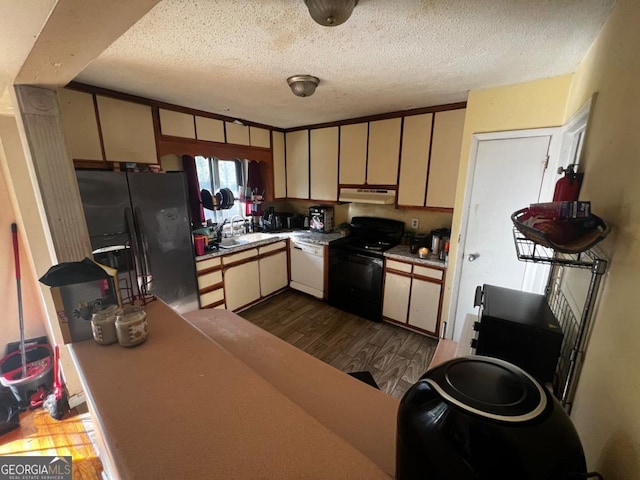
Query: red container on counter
199	242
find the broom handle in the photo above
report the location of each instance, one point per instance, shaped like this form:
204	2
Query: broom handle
16	256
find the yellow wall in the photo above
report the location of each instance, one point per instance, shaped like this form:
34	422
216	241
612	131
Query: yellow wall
607	407
536	104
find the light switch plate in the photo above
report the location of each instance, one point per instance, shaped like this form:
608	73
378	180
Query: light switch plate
415	223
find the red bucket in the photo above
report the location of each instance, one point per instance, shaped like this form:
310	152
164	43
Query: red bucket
39	371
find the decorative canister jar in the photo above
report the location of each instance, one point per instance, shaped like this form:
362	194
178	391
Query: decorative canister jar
131	326
103	325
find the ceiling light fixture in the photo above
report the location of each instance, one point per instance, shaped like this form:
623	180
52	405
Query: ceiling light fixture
303	85
330	13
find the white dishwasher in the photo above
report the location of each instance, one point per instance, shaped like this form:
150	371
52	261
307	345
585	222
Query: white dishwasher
307	267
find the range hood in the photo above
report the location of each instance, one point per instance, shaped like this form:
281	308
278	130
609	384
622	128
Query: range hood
378	196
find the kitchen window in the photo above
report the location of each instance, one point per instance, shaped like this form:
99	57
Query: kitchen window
214	174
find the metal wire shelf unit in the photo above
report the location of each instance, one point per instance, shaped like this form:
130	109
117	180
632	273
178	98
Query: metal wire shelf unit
576	331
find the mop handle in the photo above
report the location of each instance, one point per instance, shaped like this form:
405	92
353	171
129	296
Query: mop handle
16	256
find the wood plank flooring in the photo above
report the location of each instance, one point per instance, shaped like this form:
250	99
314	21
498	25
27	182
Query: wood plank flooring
396	357
39	434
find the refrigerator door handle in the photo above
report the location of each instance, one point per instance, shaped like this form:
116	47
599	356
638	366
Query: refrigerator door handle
146	268
128	213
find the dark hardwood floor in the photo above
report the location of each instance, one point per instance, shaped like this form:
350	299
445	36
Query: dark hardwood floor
396	357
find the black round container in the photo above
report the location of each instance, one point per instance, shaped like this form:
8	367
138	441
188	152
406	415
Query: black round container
480	418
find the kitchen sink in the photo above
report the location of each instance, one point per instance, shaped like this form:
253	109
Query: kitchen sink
244	239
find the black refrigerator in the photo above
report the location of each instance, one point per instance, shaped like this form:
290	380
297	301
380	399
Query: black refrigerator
139	223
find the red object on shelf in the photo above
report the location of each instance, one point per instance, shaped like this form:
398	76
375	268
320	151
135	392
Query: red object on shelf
568	187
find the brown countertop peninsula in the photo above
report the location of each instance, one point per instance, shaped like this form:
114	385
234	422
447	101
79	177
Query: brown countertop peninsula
181	406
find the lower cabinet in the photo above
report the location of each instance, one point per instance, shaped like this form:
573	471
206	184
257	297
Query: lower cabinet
242	284
413	295
236	280
210	284
273	273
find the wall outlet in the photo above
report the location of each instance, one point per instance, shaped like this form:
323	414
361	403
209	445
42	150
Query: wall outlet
415	223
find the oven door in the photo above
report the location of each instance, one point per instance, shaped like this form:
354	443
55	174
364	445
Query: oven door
355	283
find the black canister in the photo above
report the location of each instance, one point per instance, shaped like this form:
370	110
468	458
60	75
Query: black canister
480	418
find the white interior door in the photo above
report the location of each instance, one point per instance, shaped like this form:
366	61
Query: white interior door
507	177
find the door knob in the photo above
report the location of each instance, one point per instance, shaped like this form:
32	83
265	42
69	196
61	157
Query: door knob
472	257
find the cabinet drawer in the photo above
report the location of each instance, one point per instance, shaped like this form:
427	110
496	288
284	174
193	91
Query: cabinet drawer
212	297
207	264
209	279
236	257
427	272
399	266
272	246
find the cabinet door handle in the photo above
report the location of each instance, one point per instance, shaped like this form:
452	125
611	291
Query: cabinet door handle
472	257
298	248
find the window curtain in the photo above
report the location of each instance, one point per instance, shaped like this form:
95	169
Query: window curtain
193	190
255	186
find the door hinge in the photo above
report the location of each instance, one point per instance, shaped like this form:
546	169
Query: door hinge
546	162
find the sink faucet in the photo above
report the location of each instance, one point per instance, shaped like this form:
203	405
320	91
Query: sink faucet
232	220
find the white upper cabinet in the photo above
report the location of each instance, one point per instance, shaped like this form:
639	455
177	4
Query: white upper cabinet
445	158
279	174
127	131
324	164
414	162
353	153
259	137
80	125
237	134
384	152
177	124
297	145
210	129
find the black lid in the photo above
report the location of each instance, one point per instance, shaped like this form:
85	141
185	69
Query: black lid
489	387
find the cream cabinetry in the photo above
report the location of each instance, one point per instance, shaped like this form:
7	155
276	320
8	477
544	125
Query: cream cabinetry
241	279
279	166
413	295
424	305
236	133
414	162
259	137
445	158
273	268
297	147
353	153
383	151
323	163
210	129
210	283
127	131
177	124
80	125
237	280
242	285
396	296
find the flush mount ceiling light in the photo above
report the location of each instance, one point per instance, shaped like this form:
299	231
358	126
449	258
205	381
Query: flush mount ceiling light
330	13
303	85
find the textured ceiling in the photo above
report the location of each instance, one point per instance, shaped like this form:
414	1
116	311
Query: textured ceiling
233	56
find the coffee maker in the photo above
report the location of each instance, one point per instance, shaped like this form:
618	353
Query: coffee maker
321	218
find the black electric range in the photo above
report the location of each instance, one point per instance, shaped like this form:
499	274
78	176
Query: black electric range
356	265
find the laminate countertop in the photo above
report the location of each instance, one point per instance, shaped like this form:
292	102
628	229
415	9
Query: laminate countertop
181	406
302	235
403	253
